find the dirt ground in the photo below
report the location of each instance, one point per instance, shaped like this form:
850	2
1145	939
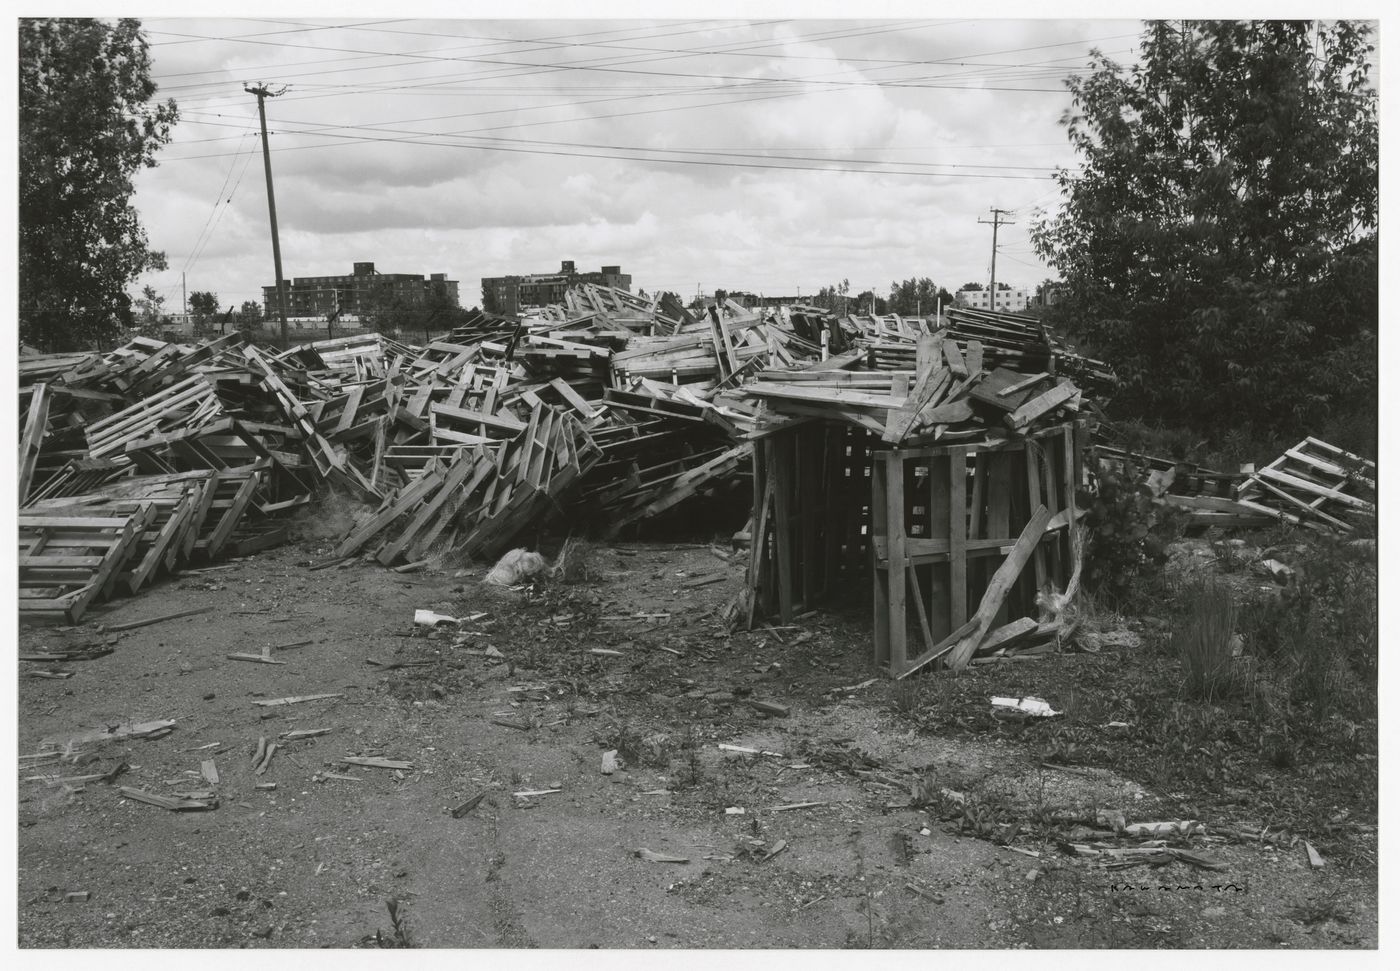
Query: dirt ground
514	701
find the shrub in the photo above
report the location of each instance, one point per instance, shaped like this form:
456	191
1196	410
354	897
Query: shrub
1128	532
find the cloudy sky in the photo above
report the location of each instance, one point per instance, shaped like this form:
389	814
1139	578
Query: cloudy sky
774	153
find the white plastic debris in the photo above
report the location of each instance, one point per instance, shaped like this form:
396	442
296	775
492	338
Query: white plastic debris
1035	707
517	565
427	618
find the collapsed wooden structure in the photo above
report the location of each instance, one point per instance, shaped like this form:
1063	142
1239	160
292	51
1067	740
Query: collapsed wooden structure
947	479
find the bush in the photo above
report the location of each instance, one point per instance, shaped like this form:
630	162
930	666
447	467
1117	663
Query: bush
1128	532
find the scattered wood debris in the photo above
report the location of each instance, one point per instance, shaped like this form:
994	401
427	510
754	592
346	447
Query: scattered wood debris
377	763
179	804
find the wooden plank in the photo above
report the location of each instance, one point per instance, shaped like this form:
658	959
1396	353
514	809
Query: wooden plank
895	533
957	538
881	572
1022	385
1034	458
975	354
961	644
1295	482
953	354
506	423
32	440
1041	405
780	471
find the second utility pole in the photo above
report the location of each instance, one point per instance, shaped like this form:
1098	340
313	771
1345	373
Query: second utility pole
261	91
996	223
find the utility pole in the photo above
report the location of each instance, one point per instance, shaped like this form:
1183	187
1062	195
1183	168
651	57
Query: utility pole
996	223
260	90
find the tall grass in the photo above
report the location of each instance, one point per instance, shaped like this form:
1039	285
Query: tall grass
1201	640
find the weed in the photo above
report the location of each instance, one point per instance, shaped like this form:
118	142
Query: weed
571	565
1319	910
907	695
1202	640
1229	553
398	938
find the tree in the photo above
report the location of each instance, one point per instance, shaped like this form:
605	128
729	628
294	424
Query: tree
974	285
250	314
150	316
917	296
87	123
204	304
1226	200
867	302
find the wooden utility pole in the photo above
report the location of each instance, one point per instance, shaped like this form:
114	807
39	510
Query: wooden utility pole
996	223
261	92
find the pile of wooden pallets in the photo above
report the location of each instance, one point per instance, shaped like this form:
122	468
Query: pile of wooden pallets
140	460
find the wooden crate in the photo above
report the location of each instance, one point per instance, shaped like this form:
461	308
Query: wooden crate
942	521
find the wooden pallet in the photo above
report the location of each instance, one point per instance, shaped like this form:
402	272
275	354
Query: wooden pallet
178	409
1314	484
66	562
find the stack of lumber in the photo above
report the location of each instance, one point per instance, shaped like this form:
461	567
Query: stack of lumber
1024	343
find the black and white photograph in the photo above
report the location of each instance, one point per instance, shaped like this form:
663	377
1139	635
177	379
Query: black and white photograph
714	479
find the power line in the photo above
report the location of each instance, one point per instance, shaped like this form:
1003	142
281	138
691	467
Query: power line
625	157
733	153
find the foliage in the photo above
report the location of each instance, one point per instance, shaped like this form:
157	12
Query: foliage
204	304
867	302
250	313
835	297
390	310
1218	243
150	316
87	123
1128	533
917	296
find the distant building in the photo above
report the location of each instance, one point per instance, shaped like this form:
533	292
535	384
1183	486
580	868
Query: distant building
1007	300
512	294
361	292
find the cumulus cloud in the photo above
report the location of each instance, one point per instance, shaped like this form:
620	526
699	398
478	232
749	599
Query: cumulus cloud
483	147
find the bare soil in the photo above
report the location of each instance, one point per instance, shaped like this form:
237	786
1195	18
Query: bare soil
313	862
